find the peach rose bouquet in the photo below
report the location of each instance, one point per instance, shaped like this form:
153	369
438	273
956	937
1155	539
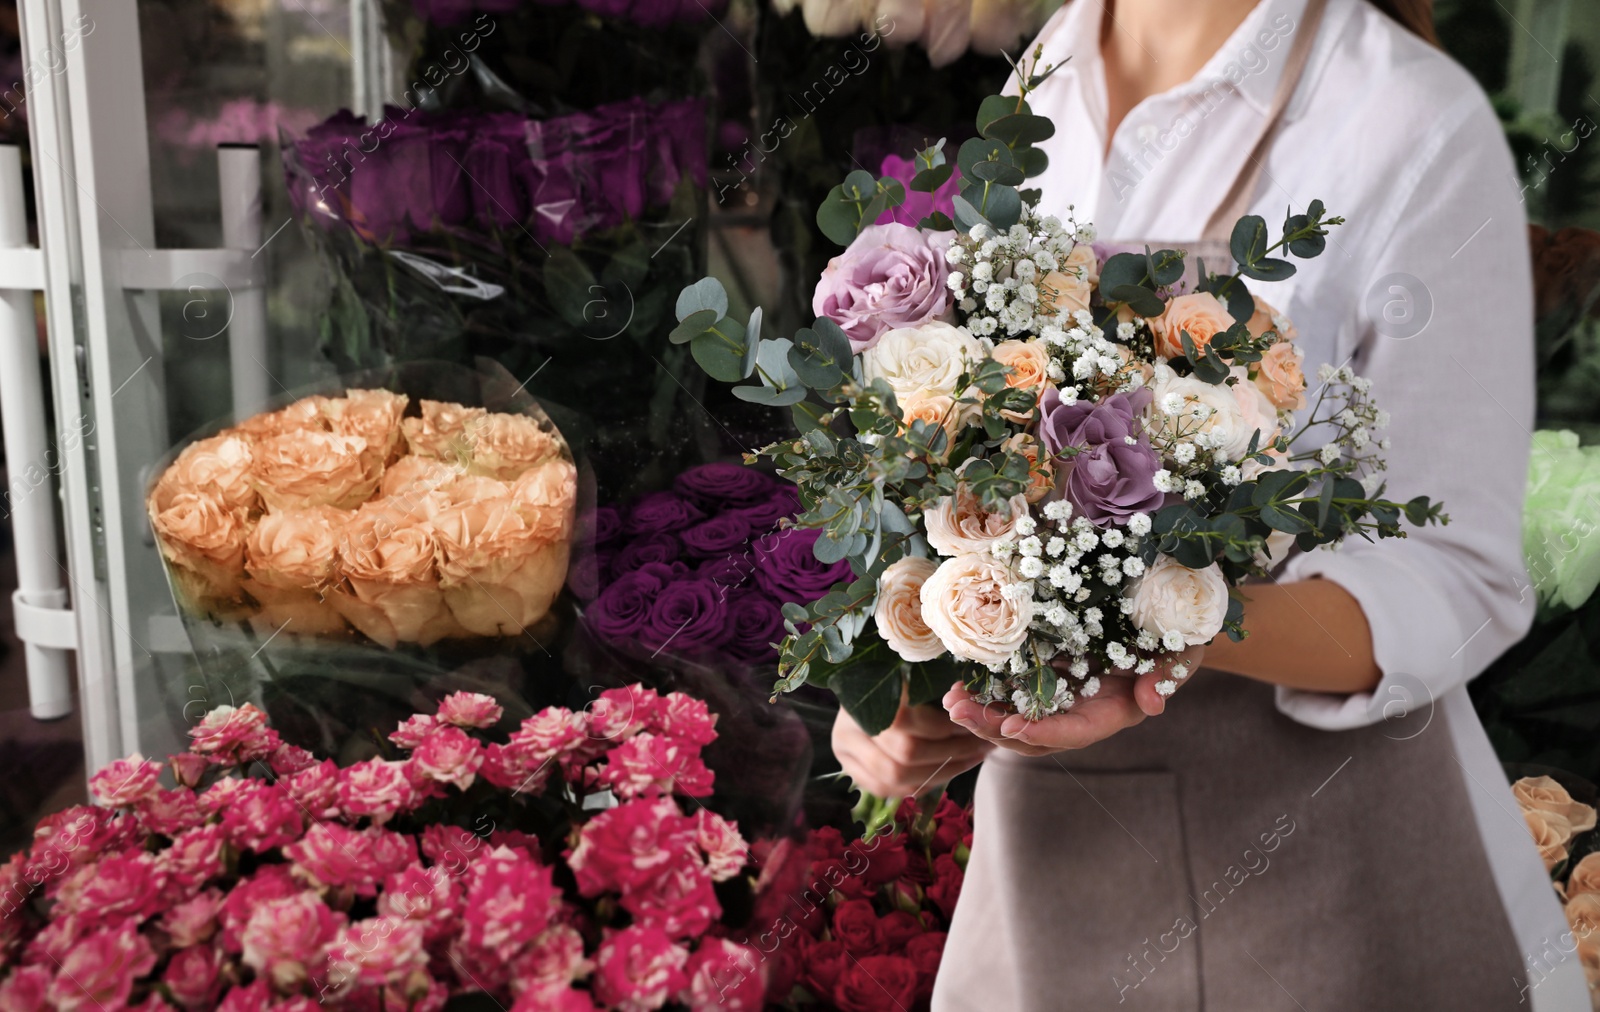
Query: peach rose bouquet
1562	828
1045	462
369	513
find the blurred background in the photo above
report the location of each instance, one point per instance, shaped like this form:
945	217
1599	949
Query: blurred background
620	148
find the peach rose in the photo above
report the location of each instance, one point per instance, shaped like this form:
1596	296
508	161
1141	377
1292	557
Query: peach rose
412	475
305	413
972	604
1547	795
1551	833
958	524
295	549
1585	877
503	446
1198	314
219	466
298	470
386	555
547	497
1041	474
1583	916
499	574
1069	289
899	610
1267	318
1257	412
439	432
935	409
199	533
374	415
1029	362
471	487
1279	376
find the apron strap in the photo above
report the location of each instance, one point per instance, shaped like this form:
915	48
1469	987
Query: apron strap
1237	201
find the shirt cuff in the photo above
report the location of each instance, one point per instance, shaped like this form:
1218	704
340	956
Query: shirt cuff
1417	640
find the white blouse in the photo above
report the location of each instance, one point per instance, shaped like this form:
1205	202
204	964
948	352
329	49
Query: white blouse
1426	290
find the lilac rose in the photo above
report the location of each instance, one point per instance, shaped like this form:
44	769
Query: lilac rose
1109	479
717	536
687	615
662	513
891	276
1089	423
788	569
755	623
723	486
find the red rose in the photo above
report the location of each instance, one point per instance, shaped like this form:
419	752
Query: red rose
783	969
925	952
896	928
951	824
824	962
946	887
881	861
855	926
877	984
824	843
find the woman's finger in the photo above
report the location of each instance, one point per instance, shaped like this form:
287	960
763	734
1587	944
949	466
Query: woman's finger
1153	689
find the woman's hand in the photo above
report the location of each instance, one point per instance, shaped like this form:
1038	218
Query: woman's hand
920	750
1122	702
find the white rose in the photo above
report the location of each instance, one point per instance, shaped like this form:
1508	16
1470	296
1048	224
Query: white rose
831	18
946	29
1224	426
1256	410
929	358
966	604
899	611
1171	597
958	525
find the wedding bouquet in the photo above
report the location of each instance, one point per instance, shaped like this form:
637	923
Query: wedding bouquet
1563	830
1041	462
569	866
344	512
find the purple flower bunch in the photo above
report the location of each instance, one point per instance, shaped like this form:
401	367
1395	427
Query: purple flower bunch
647	13
702	569
558	179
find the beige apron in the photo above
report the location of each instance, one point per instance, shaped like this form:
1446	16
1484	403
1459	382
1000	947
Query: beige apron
1223	857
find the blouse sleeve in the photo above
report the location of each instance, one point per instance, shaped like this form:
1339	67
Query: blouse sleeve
1443	602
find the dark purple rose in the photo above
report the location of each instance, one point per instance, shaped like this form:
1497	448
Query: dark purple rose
717	536
788	569
452	12
756	624
764	516
686	616
660	513
1113	481
1089	423
650	548
724	486
587	575
497	166
600	525
728	570
667	572
623	608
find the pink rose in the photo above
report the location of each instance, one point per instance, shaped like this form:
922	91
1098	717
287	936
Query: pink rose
685	718
117	886
289	759
378	951
191	976
263	820
470	709
510	898
25	990
390	851
430	896
625	846
451	846
413	729
330	856
891	276
726	851
620	713
286	940
227	791
237	733
378	788
194	920
554	961
316	790
188	768
270	882
72	837
555	731
515	768
725	975
98	971
449	756
554	999
679	900
257	997
125	782
649	764
194	857
637	969
169	812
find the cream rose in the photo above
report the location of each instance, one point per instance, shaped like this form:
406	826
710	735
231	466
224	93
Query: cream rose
1280	377
1198	314
1256	411
503	446
958	524
440	430
1585	877
219	466
295	549
298	470
1546	794
374	415
928	358
1208	409
899	610
976	608
1551	834
1172	598
1041	474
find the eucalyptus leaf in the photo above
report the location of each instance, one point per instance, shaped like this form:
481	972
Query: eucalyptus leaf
1020	129
721	359
1249	240
693	325
929	180
705	294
